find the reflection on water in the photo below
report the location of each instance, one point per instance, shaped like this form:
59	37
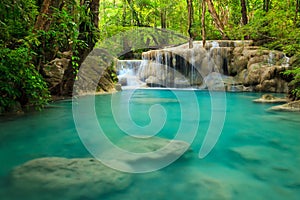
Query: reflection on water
256	157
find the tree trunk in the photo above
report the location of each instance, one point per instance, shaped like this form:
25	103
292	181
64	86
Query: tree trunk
218	23
163	18
70	75
203	23
43	21
134	13
124	13
244	15
266	5
244	12
190	21
296	13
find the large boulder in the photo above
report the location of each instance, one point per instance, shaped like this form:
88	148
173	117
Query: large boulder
97	73
62	178
54	71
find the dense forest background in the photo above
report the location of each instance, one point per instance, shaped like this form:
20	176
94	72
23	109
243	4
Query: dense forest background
33	33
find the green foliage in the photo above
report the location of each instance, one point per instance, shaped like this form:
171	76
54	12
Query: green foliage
16	20
112	72
24	51
295	73
20	82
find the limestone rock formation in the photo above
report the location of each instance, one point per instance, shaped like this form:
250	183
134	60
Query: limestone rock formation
96	74
62	178
260	69
293	106
54	71
252	68
268	98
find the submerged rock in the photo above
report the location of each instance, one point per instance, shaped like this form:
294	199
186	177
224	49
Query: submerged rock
62	178
293	106
268	98
145	154
251	159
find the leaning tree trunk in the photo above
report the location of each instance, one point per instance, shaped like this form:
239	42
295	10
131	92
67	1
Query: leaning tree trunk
219	25
190	21
43	21
203	23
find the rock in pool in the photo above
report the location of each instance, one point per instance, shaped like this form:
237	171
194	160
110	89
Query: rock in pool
62	178
293	106
268	98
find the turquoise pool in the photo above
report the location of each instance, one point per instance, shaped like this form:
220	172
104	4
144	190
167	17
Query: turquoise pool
255	157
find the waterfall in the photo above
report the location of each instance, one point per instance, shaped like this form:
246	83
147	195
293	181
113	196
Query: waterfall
178	67
286	61
271	59
127	73
221	65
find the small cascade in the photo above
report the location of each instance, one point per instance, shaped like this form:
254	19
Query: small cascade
278	58
271	60
285	61
127	73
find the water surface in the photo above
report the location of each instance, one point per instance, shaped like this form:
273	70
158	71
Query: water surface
256	156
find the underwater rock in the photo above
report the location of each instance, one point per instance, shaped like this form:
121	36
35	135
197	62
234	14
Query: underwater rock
145	153
250	159
62	178
207	186
268	98
293	106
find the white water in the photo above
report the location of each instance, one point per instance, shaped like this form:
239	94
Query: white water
181	67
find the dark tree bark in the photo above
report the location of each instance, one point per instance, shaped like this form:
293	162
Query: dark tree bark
43	20
244	15
203	23
244	12
163	19
215	16
266	5
190	21
296	13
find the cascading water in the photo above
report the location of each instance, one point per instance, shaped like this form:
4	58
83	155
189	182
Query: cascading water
127	73
172	67
221	65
